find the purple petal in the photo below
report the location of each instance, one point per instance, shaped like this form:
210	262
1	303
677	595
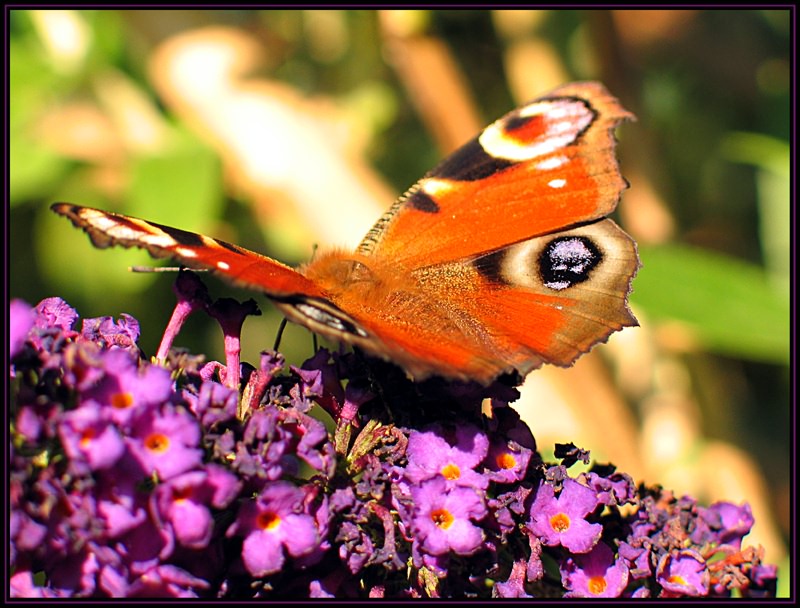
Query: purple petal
55	312
21	319
594	574
262	554
192	523
683	573
299	534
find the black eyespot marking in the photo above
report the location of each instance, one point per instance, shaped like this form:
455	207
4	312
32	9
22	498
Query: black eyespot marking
470	163
567	261
421	201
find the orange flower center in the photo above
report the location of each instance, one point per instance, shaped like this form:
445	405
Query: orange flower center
597	584
122	401
560	522
677	579
179	494
451	472
86	437
157	442
442	518
506	461
268	520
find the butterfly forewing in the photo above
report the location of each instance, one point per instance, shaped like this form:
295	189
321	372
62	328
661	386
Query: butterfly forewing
241	266
544	167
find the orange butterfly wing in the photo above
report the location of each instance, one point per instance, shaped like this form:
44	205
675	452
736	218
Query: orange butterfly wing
497	260
500	259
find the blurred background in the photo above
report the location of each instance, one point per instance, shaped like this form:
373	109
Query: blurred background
280	130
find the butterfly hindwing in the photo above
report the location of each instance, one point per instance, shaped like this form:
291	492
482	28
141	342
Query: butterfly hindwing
556	295
544	300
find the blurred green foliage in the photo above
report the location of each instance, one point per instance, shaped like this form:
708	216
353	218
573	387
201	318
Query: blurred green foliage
675	280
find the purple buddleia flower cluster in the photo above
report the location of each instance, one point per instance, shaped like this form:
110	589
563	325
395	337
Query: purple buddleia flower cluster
178	478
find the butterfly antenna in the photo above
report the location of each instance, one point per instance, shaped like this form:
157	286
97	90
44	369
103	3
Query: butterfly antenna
162	269
281	327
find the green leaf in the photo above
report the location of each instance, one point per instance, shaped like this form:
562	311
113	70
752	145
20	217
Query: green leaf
772	158
731	306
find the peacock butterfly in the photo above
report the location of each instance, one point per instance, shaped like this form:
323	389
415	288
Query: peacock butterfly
498	260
